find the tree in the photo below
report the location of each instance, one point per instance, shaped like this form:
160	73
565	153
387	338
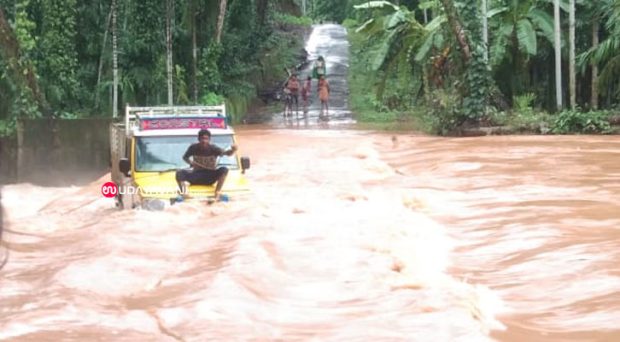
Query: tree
485	29
571	53
516	27
114	61
608	52
220	21
142	52
58	60
558	54
169	16
477	83
261	12
595	41
604	56
401	34
192	13
330	10
21	70
102	54
457	28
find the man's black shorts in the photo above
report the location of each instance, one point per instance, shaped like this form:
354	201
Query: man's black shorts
200	177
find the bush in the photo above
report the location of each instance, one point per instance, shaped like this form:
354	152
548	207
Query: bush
445	109
7	127
212	99
291	19
532	121
574	121
350	24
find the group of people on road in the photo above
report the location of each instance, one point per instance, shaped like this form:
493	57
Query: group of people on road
293	88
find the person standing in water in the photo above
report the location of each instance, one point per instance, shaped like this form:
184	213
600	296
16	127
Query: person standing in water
323	90
293	89
306	92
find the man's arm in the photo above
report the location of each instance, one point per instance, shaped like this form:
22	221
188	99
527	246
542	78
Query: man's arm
230	151
187	154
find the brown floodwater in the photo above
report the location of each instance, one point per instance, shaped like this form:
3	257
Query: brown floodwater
346	236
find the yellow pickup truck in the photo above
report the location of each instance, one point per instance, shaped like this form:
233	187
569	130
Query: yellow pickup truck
147	149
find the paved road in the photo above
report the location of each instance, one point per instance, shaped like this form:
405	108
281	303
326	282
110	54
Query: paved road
329	41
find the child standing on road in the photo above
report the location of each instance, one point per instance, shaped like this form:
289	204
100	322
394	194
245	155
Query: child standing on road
293	87
306	92
323	89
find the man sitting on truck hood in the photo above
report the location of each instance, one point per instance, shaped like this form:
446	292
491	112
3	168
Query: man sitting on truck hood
203	161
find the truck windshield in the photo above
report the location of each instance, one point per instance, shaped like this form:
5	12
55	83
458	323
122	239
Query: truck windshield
166	153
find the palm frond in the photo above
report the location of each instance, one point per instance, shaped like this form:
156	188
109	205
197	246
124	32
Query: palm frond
584	59
610	74
607	49
526	36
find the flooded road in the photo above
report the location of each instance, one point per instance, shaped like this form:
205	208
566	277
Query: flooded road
347	235
330	42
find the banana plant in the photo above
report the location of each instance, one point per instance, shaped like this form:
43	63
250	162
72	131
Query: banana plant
518	24
402	37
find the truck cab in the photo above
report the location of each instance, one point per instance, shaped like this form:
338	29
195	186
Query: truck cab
147	150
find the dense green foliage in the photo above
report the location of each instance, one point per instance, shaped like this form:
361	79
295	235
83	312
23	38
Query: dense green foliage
419	64
68	47
411	60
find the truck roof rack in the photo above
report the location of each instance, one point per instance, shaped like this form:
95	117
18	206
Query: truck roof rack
134	115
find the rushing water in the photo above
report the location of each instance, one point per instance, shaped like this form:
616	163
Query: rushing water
347	235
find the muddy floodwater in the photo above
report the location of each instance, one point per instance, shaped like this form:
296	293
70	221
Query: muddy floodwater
346	236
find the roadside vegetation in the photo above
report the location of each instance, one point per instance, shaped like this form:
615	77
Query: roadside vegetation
57	57
408	67
422	65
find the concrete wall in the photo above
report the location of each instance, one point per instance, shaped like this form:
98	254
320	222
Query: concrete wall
47	149
8	159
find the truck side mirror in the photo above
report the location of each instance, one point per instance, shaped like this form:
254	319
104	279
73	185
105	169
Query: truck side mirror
124	166
245	163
